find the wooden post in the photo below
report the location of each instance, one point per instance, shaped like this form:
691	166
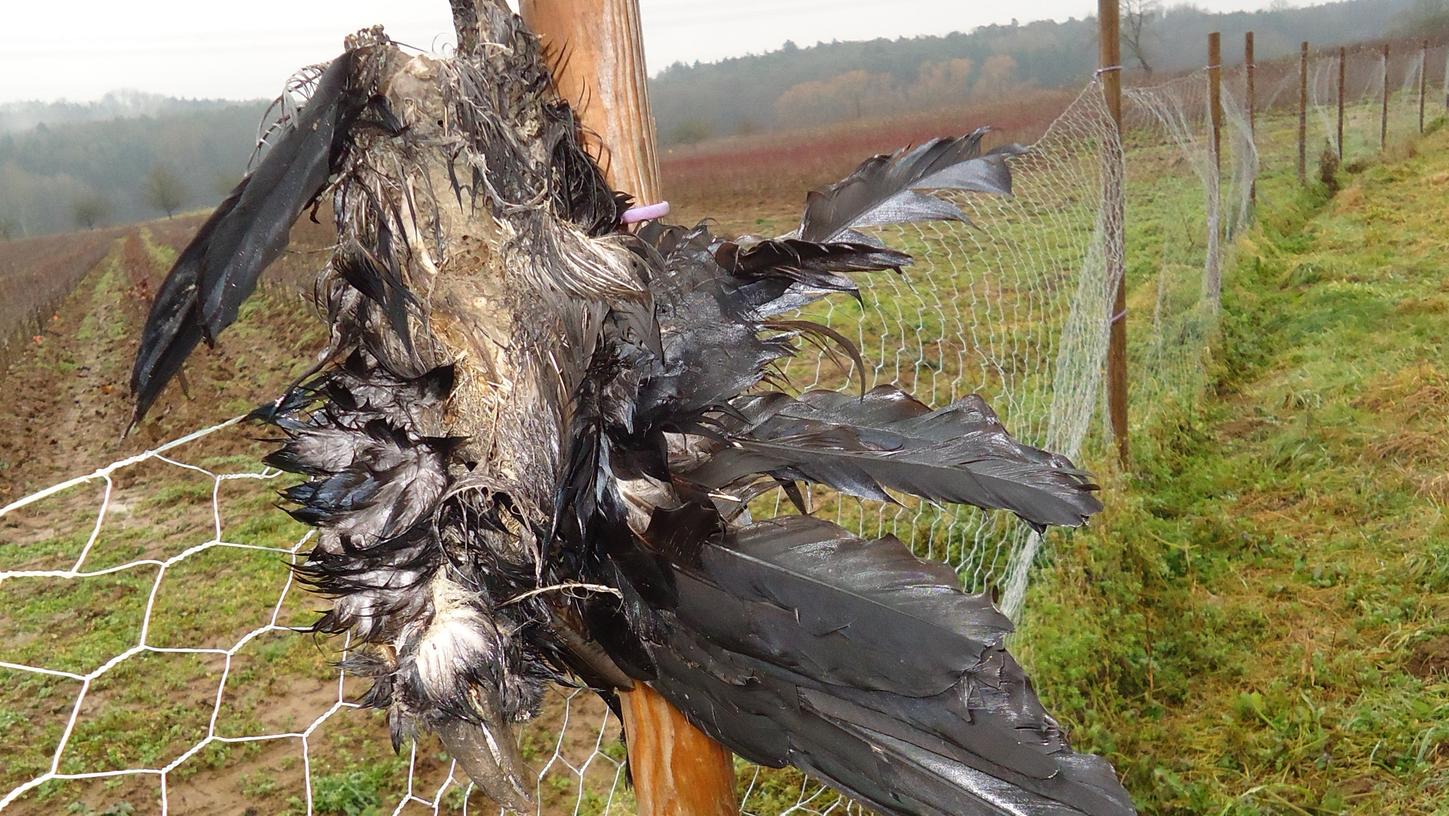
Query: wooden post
603	75
1250	68
1215	96
1109	58
1423	80
1342	74
677	769
1303	113
1214	283
1384	113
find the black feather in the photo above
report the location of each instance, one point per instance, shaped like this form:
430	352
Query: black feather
172	330
885	189
796	643
218	270
960	454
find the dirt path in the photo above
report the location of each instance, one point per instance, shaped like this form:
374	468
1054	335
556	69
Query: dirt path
68	397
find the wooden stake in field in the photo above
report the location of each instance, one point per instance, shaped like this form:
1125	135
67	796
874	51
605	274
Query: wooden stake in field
1251	69
1303	113
1215	95
1342	74
1384	114
1423	80
1215	117
677	770
1110	69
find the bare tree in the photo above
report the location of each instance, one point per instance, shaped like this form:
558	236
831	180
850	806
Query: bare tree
88	210
1136	16
164	190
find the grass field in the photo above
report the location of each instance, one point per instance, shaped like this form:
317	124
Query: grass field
1255	626
1260	623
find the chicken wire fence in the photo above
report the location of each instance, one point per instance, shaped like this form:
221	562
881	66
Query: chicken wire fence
1383	95
1011	304
153	656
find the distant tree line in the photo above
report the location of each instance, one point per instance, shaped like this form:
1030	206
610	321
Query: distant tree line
85	174
131	155
844	80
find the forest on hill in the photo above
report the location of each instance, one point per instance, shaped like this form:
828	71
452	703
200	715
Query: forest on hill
55	177
131	155
838	81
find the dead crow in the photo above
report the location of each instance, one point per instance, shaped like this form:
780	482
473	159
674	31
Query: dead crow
532	439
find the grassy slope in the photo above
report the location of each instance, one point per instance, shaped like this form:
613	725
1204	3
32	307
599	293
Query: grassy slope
1260	623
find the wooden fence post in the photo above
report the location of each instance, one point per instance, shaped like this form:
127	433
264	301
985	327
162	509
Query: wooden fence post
1251	69
1214	281
1342	75
1384	114
677	769
1303	113
1423	80
1113	191
1215	96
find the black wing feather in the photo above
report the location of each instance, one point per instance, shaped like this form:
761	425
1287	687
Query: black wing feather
959	453
885	189
219	269
794	642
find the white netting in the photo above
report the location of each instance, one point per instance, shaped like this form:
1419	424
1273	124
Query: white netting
1184	206
1012	306
1369	119
153	660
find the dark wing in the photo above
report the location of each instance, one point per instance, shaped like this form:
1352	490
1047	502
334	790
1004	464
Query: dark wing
887	439
886	189
794	642
219	269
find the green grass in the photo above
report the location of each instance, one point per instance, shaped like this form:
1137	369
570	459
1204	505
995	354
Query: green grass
1259	624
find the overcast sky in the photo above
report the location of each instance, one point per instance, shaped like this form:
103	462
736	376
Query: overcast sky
79	49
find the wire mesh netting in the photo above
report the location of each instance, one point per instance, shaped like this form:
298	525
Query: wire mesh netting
1011	305
1186	197
1383	95
153	655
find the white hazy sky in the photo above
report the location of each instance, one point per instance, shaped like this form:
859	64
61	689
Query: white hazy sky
79	49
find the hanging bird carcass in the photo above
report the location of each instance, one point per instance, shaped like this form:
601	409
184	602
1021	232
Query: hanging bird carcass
532	437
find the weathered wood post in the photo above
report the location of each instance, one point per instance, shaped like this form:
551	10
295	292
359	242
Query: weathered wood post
677	770
1214	283
1215	96
1423	80
1303	113
1342	74
1251	69
1384	110
1109	59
